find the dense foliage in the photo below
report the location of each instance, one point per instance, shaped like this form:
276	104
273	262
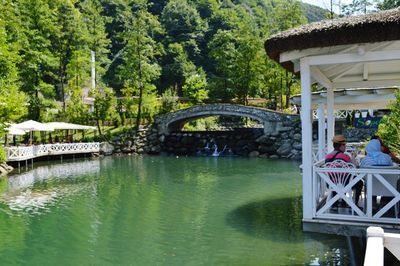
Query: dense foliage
389	128
147	52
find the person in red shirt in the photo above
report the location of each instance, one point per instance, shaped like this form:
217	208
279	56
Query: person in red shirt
339	146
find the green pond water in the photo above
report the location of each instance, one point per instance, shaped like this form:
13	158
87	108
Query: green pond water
160	211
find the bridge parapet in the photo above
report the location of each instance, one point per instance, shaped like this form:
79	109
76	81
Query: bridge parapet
272	120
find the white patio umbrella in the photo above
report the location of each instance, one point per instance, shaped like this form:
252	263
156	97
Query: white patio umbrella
70	126
15	131
32	125
63	125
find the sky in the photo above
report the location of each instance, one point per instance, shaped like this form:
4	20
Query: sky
326	3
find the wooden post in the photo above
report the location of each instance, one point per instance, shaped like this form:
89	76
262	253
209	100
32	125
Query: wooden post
306	135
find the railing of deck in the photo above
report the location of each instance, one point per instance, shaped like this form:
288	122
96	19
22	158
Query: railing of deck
378	183
24	153
377	240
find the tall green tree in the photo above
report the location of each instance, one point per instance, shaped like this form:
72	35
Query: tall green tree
184	25
140	67
12	100
38	64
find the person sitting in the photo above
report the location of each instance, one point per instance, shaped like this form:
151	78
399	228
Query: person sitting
375	156
339	146
386	150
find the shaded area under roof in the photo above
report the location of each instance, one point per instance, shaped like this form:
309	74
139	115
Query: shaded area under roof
353	99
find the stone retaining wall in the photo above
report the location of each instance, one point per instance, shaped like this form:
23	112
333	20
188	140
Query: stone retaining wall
284	143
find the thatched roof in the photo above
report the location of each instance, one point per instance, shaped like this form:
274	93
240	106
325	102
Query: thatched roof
374	27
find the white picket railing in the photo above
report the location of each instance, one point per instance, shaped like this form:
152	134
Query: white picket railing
18	153
378	182
377	240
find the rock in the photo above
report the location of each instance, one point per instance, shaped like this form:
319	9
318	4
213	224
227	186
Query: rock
156	149
297	146
106	148
265	155
253	154
297	137
3	171
284	129
284	149
161	138
274	156
266	149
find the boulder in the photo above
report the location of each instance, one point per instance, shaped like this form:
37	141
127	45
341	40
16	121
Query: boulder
106	148
253	154
284	149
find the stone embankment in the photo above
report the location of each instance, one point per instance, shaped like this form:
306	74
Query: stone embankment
5	169
284	143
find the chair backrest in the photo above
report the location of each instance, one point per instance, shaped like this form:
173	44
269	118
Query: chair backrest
340	178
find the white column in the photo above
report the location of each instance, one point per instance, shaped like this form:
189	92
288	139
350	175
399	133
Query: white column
375	248
306	135
321	131
93	70
330	118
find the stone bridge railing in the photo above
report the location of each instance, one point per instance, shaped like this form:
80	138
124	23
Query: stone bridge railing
272	120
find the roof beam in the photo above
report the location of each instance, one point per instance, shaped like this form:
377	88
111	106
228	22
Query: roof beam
354	58
367	84
320	77
345	71
365	72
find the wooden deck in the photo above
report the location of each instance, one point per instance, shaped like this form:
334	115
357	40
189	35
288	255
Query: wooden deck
23	153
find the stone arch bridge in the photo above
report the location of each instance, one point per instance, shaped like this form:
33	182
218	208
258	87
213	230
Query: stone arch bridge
273	121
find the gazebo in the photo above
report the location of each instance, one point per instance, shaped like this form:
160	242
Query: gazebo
348	55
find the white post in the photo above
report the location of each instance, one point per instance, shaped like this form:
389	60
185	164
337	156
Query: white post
330	118
93	70
375	248
321	131
306	137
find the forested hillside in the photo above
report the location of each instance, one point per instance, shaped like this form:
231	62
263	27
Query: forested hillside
147	52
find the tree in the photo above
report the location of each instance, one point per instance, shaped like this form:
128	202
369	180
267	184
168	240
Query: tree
176	66
389	128
389	4
195	87
184	25
140	67
358	7
105	105
38	64
12	100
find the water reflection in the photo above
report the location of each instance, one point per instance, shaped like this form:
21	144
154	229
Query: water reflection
24	192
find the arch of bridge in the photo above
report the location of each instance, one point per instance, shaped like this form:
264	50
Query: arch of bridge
174	121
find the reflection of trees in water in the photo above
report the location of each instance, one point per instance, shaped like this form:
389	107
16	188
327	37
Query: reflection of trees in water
279	220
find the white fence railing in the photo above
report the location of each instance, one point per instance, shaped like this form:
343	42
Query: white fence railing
377	240
29	152
380	197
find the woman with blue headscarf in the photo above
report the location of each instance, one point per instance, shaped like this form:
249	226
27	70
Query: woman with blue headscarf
375	156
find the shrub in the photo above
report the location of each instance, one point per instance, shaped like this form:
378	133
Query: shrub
3	156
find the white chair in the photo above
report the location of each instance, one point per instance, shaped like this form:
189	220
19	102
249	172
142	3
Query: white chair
339	181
